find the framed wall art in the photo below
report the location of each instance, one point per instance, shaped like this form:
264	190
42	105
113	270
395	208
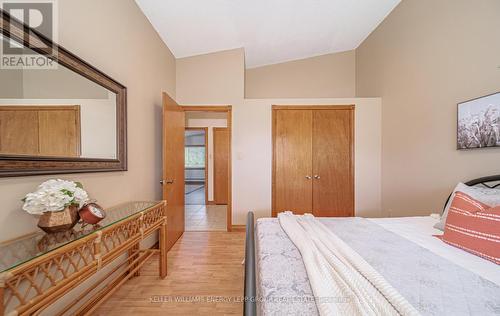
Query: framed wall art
478	123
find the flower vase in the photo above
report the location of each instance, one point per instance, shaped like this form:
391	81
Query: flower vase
60	221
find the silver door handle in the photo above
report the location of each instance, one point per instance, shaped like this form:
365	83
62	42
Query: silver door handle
308	177
167	181
317	177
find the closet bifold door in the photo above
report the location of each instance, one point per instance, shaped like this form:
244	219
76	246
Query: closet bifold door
292	187
333	163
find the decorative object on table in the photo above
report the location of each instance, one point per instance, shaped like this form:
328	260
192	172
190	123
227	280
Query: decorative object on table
479	122
58	202
56	222
92	213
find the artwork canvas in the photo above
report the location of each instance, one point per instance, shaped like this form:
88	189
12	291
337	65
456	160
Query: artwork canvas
479	122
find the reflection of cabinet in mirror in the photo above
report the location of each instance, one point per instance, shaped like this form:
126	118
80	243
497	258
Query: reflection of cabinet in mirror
40	130
91	140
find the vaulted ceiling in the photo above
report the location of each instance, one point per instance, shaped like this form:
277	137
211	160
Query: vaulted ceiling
270	31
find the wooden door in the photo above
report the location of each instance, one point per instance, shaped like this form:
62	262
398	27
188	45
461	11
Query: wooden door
59	132
292	187
221	165
173	168
40	130
333	162
18	132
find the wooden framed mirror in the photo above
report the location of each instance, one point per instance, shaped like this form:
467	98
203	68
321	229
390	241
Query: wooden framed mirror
58	114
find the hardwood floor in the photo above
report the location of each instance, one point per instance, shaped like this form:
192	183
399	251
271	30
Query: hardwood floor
205	276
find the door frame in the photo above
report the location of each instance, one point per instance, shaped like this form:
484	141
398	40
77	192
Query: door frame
310	107
205	129
227	109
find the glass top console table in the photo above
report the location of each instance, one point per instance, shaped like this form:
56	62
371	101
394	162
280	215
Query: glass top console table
39	268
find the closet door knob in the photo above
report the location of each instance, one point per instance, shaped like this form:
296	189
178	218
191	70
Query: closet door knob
317	177
168	181
308	177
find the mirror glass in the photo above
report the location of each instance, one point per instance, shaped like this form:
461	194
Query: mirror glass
55	112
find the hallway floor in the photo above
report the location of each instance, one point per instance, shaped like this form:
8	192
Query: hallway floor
205	217
195	194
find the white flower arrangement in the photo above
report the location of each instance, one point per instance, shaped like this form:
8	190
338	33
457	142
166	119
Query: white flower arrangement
54	195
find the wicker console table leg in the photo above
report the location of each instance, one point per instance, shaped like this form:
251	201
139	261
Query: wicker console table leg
131	253
163	248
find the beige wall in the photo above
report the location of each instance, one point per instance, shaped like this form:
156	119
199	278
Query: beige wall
422	60
11	83
60	83
216	78
120	42
326	76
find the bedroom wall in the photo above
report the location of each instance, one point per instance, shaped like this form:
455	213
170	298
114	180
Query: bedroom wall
216	78
325	76
121	42
198	83
422	60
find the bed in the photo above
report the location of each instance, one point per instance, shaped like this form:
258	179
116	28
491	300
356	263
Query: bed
435	278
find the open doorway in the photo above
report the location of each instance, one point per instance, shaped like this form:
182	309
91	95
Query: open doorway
196	165
207	169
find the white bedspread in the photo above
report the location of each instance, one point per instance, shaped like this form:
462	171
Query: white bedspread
433	284
420	230
336	271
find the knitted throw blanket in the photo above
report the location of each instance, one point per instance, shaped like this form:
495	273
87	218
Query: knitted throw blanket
343	283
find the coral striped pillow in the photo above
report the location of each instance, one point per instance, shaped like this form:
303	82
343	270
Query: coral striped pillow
474	227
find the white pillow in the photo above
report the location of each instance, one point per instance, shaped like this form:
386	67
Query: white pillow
485	195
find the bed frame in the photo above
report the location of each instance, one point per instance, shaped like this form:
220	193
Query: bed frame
489	182
250	305
250	302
